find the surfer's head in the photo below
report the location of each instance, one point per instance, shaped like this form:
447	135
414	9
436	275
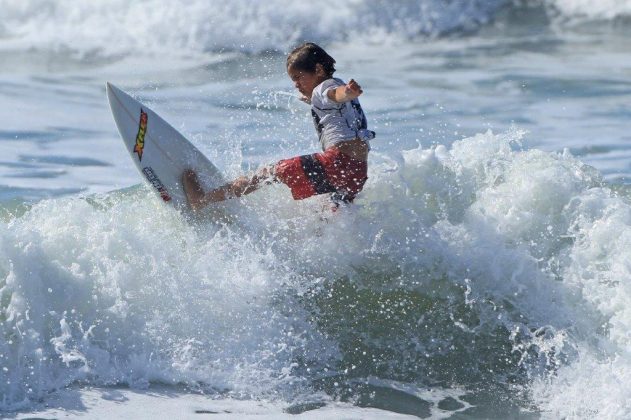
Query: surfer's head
309	65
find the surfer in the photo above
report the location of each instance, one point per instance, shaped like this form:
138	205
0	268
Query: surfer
340	169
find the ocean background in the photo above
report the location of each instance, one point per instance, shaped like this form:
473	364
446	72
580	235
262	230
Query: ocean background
484	271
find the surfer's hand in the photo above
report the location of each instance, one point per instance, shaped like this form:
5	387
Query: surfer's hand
306	100
345	93
352	90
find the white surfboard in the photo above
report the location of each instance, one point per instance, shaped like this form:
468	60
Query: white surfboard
159	151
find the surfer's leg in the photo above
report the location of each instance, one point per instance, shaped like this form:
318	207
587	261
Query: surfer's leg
197	198
243	185
193	189
240	186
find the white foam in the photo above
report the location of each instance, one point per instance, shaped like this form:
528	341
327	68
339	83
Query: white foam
118	290
102	296
163	402
602	9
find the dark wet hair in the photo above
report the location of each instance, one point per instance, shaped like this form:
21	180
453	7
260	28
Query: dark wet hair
307	56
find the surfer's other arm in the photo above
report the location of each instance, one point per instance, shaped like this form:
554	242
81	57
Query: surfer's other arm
243	185
345	93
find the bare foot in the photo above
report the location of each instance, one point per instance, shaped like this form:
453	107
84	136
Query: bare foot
193	189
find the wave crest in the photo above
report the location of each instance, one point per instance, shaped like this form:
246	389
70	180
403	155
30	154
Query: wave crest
152	26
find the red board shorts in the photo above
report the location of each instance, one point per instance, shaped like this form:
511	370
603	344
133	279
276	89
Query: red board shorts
321	173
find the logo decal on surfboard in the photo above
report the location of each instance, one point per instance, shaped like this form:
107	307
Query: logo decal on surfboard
155	181
140	137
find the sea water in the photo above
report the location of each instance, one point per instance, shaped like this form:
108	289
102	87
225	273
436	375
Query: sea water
483	272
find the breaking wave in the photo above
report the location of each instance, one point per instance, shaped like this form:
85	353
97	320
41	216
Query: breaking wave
481	267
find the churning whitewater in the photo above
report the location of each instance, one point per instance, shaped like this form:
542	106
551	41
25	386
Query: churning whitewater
458	267
483	272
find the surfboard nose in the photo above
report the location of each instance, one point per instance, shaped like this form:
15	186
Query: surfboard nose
111	90
116	96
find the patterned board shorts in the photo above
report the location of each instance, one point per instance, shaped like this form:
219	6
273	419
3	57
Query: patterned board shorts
321	173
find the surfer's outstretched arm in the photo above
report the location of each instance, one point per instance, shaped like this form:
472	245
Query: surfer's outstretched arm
243	185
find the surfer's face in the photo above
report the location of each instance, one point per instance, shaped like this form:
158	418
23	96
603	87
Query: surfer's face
306	81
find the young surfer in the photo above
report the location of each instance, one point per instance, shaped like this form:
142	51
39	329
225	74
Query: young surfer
341	169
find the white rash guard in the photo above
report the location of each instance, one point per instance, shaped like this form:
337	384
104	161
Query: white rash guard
337	122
